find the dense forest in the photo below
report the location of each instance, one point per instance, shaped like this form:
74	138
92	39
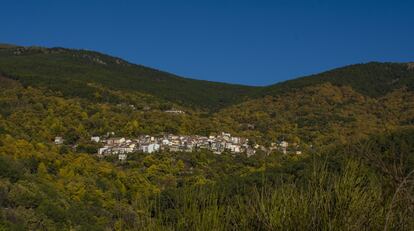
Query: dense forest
76	72
354	124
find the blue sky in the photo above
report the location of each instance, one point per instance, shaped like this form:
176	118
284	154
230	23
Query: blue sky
248	42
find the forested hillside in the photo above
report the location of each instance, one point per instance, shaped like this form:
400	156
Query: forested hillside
76	72
320	115
41	114
371	79
354	125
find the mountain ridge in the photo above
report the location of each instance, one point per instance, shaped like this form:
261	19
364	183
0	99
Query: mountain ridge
361	77
71	71
50	67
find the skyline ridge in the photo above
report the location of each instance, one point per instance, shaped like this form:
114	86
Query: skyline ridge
250	43
196	77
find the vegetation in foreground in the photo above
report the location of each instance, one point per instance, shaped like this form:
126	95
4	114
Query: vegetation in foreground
363	186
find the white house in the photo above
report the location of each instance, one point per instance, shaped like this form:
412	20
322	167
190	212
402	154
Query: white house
95	139
236	148
122	149
175	111
150	148
59	140
122	157
284	144
235	140
101	151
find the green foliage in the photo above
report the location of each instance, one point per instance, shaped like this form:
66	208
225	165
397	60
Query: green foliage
336	189
353	124
9	168
76	73
39	114
319	115
372	79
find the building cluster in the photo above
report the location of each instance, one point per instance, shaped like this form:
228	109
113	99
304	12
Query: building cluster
177	143
285	148
149	144
173	111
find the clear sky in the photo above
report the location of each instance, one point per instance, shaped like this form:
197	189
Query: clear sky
249	42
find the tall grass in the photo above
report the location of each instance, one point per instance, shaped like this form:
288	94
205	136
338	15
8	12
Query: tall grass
349	199
350	191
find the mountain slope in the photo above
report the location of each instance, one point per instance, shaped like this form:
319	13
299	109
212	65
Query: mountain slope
76	73
371	79
73	71
318	114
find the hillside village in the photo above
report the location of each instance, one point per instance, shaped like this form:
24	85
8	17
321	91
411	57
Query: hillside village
217	144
